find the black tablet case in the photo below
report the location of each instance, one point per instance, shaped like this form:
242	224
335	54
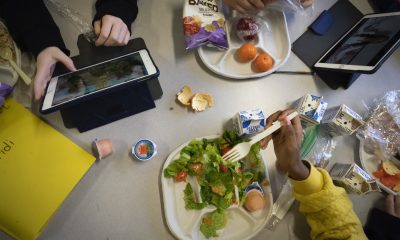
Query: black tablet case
309	47
113	105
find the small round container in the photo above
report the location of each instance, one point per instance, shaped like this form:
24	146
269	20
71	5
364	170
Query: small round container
102	148
144	150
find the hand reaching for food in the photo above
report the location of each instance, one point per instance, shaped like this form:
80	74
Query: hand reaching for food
45	64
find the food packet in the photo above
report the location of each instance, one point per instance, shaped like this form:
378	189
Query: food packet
291	5
381	131
204	24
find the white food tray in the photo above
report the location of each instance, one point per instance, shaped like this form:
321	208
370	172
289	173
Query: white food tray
370	164
276	42
185	224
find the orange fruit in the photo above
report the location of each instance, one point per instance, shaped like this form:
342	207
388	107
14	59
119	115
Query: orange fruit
263	62
246	53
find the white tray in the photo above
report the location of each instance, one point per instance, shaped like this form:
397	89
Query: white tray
185	224
370	164
275	42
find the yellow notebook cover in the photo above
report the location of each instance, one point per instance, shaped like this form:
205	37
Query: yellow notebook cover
38	169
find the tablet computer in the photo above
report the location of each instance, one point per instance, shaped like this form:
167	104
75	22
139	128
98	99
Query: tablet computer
365	46
84	83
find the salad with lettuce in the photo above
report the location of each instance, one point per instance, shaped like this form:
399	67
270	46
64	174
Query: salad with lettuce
222	183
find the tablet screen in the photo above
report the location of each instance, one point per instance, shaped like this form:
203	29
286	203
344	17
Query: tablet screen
367	43
98	77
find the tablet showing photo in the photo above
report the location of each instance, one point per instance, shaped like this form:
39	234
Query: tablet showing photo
365	46
90	80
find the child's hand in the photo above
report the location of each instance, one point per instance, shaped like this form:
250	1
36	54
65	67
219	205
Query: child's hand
393	205
111	31
45	64
287	141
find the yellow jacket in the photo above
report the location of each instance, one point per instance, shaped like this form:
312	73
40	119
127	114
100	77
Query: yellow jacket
327	208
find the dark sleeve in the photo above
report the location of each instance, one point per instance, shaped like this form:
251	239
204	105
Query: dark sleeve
382	226
386	5
127	10
31	25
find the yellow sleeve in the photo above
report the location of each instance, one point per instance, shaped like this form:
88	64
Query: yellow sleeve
327	208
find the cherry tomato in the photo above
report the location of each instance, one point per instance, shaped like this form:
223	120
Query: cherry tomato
225	150
181	176
223	168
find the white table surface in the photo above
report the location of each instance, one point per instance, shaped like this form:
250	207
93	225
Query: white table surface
121	198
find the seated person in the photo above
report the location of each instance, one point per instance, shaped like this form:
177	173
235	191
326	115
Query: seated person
34	30
327	208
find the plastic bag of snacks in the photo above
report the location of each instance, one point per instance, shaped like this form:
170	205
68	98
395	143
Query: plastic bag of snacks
381	131
204	24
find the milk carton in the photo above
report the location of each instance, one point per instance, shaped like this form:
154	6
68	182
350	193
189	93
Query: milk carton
311	109
341	120
352	178
249	122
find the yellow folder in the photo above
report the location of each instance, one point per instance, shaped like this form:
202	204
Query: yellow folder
38	169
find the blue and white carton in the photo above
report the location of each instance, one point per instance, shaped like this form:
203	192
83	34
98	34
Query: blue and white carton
311	109
249	122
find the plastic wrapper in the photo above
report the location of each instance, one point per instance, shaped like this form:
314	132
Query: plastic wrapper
5	89
381	131
291	5
204	24
248	27
281	206
73	17
317	146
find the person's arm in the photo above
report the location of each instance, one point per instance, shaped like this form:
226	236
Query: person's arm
327	208
31	25
34	30
113	20
385	225
126	10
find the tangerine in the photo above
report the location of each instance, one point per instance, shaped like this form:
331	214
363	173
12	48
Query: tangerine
246	52
263	62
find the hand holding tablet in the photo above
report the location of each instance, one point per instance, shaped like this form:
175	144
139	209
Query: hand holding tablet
76	86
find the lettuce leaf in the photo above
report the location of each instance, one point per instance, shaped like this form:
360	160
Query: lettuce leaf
213	222
190	202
